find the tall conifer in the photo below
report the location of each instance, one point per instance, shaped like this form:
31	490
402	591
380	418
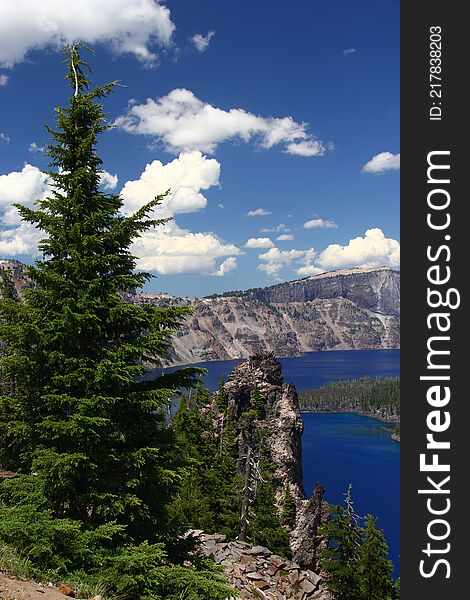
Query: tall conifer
97	467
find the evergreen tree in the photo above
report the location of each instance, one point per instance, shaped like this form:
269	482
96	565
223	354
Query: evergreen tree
374	567
341	559
222	400
289	511
209	493
265	526
7	287
84	431
258	403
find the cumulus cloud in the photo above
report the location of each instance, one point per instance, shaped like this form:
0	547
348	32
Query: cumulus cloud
201	42
4	138
127	26
22	240
169	249
108	181
259	243
229	265
183	122
3	79
320	224
384	161
274	260
306	148
348	51
372	250
285	237
185	176
21	187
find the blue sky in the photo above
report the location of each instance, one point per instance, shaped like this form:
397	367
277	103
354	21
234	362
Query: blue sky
289	112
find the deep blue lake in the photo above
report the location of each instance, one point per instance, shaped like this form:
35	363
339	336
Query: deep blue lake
339	449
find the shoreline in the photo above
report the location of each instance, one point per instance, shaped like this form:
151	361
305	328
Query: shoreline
395	436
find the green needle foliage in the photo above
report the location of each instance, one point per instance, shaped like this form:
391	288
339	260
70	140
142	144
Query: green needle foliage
97	465
289	511
356	560
209	494
375	567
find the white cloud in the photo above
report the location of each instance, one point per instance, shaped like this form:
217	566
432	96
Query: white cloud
3	79
309	271
183	122
201	42
306	148
259	212
385	161
185	176
274	260
220	205
285	237
169	249
21	240
349	51
275	229
23	187
4	138
259	243
229	265
108	181
320	224
126	26
35	149
372	250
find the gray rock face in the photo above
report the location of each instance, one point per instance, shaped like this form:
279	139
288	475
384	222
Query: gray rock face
282	427
16	270
355	309
377	290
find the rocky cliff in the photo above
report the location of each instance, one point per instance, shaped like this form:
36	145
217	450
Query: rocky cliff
355	309
279	437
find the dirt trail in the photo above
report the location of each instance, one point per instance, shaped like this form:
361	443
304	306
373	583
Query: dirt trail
14	589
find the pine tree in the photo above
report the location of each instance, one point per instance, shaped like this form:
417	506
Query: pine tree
374	567
265	526
85	432
289	511
209	493
341	559
258	403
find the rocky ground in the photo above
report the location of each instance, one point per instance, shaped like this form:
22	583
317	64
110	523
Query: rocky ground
255	572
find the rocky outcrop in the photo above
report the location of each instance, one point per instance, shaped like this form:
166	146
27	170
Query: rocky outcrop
377	290
16	271
254	571
355	309
279	428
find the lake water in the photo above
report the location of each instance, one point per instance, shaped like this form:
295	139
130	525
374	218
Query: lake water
339	449
315	369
